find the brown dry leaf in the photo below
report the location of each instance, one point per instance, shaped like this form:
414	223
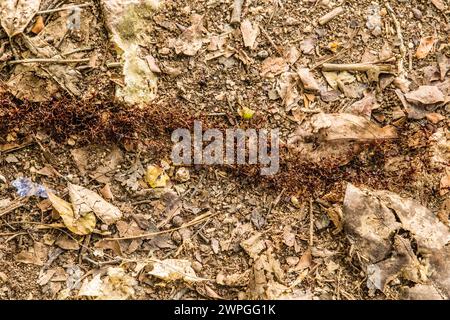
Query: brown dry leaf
48	171
113	245
85	201
308	80
272	67
335	214
423	292
305	260
288	237
191	40
434	117
440	4
66	243
443	64
403	262
287	89
307	45
253	245
342	126
174	269
291	54
80	157
39	25
114	158
369	222
234	280
106	192
81	226
36	255
249	33
334	139
425	95
365	106
425	46
117	285
16	14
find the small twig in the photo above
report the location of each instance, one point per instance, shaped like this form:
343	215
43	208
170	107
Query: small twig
237	11
113	64
62	61
331	15
152	234
276	201
355	67
264	32
76	51
64	8
401	69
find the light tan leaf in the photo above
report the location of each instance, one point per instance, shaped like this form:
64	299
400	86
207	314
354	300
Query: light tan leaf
249	33
82	226
174	269
116	285
272	67
253	245
191	40
85	201
66	243
308	80
16	14
425	46
36	255
425	95
440	4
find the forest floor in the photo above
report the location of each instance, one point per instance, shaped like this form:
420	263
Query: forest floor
364	177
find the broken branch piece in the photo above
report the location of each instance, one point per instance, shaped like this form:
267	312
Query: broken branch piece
331	15
237	11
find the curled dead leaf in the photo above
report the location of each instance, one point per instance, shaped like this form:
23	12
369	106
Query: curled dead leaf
82	226
85	201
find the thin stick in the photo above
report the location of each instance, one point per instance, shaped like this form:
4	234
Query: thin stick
264	32
331	15
62	61
76	51
237	11
152	234
355	67
64	8
401	69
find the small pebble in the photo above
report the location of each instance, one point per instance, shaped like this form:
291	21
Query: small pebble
197	266
417	13
263	54
177	221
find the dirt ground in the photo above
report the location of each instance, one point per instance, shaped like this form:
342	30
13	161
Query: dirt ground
95	141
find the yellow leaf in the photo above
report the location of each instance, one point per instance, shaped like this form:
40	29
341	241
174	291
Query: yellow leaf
82	226
156	177
246	113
